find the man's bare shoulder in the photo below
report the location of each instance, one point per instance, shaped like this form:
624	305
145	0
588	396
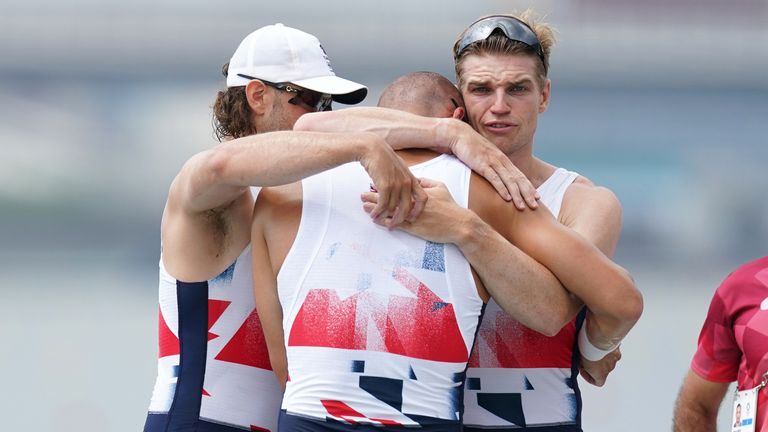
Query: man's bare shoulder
594	212
583	194
501	215
484	200
583	188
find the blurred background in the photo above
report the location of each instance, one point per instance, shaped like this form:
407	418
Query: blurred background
102	102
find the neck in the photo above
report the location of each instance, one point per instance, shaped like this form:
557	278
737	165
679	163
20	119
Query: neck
532	167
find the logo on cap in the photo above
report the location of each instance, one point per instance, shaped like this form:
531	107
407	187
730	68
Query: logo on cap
327	60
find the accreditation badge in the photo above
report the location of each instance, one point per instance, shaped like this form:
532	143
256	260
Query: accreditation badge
744	410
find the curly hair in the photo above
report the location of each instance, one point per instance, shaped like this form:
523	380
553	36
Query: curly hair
232	117
498	44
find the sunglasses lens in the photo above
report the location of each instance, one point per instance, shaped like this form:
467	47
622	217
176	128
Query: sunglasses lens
512	28
314	100
325	103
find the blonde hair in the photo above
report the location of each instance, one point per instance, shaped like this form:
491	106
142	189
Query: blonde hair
499	44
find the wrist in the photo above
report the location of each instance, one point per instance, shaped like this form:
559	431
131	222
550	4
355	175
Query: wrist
588	350
446	130
363	146
472	232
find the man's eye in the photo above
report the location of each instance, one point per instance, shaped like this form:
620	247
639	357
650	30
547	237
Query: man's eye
480	90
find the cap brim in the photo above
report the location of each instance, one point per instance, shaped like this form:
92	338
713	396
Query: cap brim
343	90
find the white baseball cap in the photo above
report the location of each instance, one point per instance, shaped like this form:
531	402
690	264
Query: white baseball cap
280	54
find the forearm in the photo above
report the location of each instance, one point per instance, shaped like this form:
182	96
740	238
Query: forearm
614	303
399	129
523	287
698	403
218	176
690	419
606	289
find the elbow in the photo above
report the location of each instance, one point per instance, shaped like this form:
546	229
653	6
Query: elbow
309	122
542	319
637	307
620	309
556	315
562	315
205	171
211	169
552	329
630	301
555	323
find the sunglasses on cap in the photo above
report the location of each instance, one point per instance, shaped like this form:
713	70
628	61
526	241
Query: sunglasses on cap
512	28
307	98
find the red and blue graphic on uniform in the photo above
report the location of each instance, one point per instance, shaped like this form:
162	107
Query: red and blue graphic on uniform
422	327
513	369
398	311
506	343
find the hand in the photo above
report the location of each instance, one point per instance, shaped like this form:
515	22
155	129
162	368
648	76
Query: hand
400	196
487	160
438	222
597	372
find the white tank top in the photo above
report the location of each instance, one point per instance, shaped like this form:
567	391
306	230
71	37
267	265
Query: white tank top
378	324
553	189
213	365
517	377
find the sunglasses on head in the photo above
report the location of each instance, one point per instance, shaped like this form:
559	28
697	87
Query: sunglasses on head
304	97
512	28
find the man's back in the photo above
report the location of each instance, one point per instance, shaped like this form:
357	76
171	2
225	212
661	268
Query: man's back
378	324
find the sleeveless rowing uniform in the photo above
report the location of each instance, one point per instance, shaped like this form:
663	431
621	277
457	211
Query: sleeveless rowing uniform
378	324
518	379
213	370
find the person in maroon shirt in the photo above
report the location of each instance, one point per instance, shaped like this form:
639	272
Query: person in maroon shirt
733	346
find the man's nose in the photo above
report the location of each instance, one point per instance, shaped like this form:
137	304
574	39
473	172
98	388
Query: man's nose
500	102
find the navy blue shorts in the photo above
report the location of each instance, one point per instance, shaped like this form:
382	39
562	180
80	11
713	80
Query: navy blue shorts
163	423
291	423
561	428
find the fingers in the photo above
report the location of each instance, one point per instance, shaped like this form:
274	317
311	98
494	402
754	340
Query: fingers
590	378
369	197
419	202
511	183
391	201
382	221
504	190
528	192
381	204
586	376
517	197
394	205
523	194
522	190
429	183
402	209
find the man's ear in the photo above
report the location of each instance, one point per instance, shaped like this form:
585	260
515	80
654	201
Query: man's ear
459	113
257	96
545	93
